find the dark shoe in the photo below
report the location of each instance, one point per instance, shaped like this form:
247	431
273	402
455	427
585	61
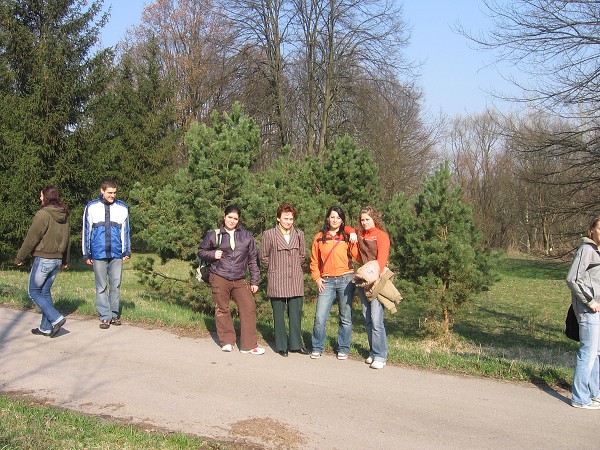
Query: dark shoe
56	328
115	321
39	332
302	351
104	324
283	353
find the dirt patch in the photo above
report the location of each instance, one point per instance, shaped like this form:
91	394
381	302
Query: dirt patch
269	432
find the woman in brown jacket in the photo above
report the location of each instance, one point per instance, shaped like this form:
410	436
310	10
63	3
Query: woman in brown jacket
282	252
48	240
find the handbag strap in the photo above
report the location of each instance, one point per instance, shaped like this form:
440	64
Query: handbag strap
329	254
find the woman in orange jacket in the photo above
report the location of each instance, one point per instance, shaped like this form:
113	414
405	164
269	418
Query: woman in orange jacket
373	245
332	269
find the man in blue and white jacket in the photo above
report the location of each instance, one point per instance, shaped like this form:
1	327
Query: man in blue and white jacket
105	244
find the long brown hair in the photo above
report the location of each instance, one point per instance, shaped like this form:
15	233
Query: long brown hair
52	198
373	214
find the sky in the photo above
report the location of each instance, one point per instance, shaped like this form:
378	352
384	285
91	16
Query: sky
455	78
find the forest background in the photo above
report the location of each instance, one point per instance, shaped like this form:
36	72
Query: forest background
208	103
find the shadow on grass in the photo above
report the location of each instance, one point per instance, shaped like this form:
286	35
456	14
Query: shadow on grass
69	305
534	269
539	379
512	330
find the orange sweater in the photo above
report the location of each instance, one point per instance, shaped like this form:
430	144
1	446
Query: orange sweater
374	244
338	263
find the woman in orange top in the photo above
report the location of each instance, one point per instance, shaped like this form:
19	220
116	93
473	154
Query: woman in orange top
332	269
373	244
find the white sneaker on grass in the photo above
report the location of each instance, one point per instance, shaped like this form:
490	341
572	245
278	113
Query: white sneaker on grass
254	351
227	348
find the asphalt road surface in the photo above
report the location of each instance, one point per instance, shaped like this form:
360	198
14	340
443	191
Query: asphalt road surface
159	380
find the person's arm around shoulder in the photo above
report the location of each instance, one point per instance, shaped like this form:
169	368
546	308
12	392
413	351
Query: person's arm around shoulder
351	232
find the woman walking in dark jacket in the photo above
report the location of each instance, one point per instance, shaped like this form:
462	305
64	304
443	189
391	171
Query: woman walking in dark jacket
48	240
232	253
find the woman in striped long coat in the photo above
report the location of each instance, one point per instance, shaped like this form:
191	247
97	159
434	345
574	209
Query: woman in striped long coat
282	252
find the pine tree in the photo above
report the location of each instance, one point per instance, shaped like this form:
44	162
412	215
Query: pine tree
438	246
174	217
47	77
132	135
349	173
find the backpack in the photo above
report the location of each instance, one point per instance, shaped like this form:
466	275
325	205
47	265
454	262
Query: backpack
203	270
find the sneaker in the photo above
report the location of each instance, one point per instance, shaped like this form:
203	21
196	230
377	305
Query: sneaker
591	405
39	332
315	355
369	360
342	356
596	399
56	327
254	351
227	348
377	365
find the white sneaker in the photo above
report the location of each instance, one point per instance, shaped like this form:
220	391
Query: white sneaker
254	351
227	348
369	360
342	356
591	405
377	365
315	355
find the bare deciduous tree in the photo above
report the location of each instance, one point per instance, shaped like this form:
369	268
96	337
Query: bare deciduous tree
557	44
195	43
344	42
261	27
387	119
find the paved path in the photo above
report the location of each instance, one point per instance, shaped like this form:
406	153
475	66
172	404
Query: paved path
161	380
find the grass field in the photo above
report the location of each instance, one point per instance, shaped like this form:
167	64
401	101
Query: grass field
513	332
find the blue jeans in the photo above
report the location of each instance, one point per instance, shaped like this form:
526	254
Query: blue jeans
108	272
41	278
341	288
373	314
586	378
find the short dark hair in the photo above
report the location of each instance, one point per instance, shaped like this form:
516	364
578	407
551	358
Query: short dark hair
108	184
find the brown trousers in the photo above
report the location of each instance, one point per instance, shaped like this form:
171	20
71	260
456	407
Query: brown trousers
223	291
